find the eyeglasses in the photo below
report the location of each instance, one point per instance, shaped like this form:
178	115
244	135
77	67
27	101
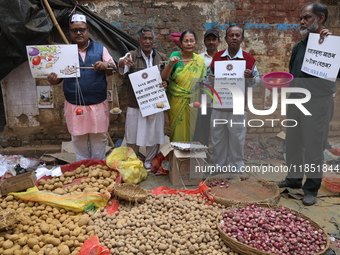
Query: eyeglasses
76	30
189	41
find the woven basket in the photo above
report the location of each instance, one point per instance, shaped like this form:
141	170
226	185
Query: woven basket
130	192
246	249
333	184
230	202
7	219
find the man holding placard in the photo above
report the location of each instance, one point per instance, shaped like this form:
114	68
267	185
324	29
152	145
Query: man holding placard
145	131
305	142
86	106
228	139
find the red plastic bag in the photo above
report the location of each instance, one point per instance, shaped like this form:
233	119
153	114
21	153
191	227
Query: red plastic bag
156	164
92	247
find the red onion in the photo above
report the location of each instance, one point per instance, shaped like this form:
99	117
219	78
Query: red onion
274	230
221	183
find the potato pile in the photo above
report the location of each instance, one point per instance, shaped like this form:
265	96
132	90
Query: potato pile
91	179
42	229
163	224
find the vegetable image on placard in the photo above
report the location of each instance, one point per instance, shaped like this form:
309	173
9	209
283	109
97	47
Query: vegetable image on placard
60	59
43	56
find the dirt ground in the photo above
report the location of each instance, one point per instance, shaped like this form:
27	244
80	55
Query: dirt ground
326	212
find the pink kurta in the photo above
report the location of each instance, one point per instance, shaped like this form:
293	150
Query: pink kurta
96	118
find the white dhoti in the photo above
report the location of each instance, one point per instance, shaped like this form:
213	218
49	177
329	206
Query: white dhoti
144	131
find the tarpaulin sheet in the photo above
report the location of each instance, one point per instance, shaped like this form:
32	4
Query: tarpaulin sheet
27	22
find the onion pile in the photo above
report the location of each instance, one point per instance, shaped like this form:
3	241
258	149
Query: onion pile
275	230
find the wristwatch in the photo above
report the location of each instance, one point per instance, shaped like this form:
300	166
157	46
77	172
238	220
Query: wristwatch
108	65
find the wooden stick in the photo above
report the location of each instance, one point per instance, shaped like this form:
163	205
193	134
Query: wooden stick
110	139
89	67
162	62
55	22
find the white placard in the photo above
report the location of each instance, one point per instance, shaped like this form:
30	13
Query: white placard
228	73
60	59
146	85
322	57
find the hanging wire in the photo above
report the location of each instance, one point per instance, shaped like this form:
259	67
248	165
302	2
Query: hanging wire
79	95
115	93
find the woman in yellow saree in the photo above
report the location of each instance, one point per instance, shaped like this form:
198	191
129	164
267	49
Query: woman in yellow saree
184	70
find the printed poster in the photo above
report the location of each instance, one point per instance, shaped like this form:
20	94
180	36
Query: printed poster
322	57
45	96
146	85
60	59
228	73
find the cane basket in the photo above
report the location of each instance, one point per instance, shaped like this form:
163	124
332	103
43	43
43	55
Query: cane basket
242	248
130	192
273	199
333	184
8	219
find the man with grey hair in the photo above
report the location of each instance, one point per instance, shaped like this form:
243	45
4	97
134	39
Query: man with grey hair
305	141
142	131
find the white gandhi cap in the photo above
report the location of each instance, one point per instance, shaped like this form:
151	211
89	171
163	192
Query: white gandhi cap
78	17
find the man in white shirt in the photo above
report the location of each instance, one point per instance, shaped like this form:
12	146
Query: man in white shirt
142	131
211	42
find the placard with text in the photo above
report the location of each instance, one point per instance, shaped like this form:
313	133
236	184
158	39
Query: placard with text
322	56
146	85
228	73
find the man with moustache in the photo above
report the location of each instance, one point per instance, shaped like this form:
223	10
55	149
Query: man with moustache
211	42
89	129
228	140
142	131
305	142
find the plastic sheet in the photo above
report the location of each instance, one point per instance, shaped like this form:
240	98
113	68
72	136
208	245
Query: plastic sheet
27	22
92	247
126	161
202	189
75	203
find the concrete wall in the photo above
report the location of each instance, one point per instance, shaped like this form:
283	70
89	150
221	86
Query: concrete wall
270	33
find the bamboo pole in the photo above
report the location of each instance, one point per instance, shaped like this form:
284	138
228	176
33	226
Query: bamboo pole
55	22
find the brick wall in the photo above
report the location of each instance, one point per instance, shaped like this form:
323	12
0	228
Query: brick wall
270	33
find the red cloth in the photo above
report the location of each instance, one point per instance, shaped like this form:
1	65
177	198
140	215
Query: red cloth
202	189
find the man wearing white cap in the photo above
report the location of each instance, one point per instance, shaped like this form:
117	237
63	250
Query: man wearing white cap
88	92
